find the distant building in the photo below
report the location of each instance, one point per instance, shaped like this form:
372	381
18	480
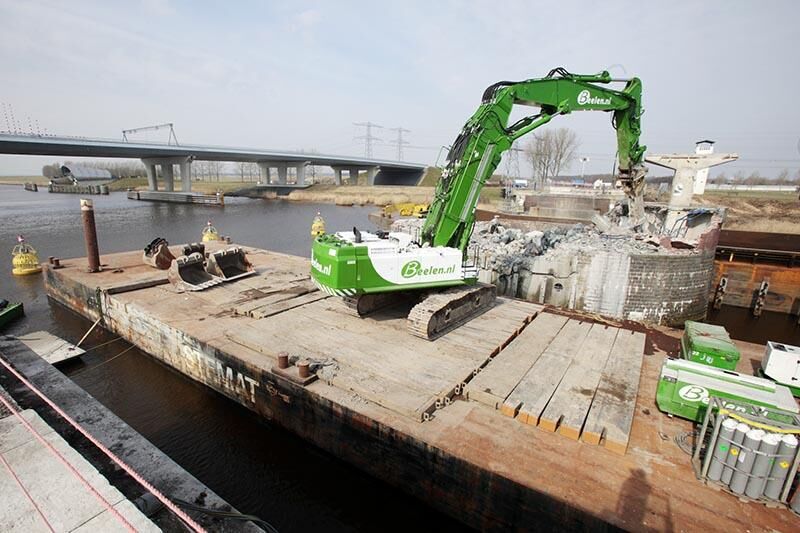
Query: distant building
74	174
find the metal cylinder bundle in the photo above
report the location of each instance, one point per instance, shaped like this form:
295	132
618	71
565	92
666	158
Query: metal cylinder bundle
733	453
746	459
721	448
780	468
762	465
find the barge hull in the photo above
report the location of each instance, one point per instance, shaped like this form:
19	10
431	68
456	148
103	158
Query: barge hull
488	470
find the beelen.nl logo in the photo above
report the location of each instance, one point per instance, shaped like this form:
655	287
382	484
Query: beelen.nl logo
414	268
585	97
326	270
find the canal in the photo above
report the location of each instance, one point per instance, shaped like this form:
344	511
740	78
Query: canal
257	467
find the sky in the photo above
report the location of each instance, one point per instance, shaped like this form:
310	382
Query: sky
297	74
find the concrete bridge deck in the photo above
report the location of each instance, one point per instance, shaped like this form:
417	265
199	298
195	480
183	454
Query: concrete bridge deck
167	156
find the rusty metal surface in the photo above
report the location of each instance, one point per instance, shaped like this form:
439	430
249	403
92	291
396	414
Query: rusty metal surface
482	468
744	280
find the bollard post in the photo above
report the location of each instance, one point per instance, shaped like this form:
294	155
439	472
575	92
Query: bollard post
283	360
302	369
90	235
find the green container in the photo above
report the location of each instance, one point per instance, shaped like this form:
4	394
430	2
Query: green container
685	388
708	344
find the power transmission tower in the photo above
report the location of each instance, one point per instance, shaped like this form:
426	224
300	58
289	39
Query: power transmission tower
399	142
368	137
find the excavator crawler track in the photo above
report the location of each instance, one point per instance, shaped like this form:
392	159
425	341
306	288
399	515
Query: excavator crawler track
442	311
364	304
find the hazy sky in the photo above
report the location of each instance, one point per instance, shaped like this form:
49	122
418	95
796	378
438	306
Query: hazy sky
296	75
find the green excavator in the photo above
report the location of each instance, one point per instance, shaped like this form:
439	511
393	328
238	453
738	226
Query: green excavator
368	270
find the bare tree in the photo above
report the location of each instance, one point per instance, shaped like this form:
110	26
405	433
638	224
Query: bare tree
216	169
242	166
551	151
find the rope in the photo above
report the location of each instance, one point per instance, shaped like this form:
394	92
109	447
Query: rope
766	427
139	479
27	494
123	352
90	330
69	465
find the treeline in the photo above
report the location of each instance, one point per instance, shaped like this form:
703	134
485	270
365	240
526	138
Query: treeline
739	178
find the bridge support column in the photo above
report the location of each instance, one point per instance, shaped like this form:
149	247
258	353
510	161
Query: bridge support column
282	171
686	167
169	177
371	173
152	177
353	176
265	172
301	173
186	176
337	176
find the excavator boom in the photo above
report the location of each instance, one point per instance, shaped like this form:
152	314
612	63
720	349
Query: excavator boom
477	150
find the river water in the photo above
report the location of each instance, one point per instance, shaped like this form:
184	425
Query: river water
257	467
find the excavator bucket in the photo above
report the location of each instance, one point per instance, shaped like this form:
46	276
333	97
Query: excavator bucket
229	264
157	254
187	273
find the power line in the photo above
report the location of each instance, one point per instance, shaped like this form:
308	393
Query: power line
399	142
368	137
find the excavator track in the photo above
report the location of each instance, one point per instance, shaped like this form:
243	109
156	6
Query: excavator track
440	312
364	304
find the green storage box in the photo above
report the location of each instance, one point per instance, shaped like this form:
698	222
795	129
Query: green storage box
685	389
708	344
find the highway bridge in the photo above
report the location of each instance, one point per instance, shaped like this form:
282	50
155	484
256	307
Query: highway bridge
167	156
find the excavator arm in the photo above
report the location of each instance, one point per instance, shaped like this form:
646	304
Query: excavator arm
477	150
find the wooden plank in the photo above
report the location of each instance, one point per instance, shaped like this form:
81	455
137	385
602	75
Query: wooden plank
571	401
51	348
531	395
495	382
611	415
274	296
285	305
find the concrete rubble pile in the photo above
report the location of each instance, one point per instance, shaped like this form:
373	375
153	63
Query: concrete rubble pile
612	271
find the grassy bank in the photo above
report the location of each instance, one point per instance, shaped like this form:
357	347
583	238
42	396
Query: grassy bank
22	180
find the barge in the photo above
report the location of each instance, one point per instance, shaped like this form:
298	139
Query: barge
521	419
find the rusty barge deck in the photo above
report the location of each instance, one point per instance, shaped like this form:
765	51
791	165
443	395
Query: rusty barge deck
521	419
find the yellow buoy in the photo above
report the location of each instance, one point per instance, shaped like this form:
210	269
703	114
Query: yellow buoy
210	233
318	226
25	260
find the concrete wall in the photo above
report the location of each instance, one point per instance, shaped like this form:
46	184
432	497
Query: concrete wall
654	288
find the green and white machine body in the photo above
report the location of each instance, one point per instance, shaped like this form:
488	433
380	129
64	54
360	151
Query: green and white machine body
343	265
685	387
347	265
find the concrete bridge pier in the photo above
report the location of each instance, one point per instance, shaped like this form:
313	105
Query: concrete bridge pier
283	171
686	167
168	172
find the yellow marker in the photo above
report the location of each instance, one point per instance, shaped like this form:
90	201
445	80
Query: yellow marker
318	226
24	259
210	233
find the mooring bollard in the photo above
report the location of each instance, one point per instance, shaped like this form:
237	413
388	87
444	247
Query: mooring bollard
90	235
302	369
283	360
